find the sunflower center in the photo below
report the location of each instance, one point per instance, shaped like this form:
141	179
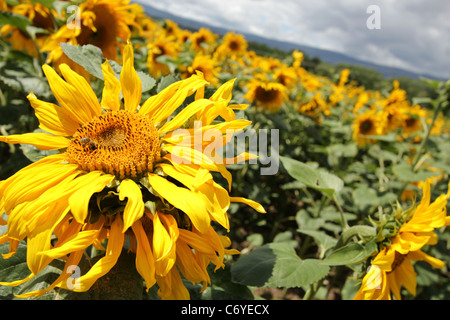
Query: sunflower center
366	126
121	143
398	260
266	95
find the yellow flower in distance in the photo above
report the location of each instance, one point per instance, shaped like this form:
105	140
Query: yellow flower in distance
369	123
392	268
266	94
117	175
104	24
40	17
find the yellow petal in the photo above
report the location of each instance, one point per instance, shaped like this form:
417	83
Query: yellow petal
79	241
251	203
106	263
112	88
164	240
134	209
185	114
162	105
85	93
184	199
53	118
145	261
130	81
79	200
68	96
42	141
35	182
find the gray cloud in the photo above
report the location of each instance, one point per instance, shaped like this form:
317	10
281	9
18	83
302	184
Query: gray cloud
414	34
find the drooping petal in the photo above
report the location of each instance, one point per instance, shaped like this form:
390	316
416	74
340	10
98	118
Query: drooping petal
130	81
106	263
79	200
251	203
33	182
165	236
145	261
134	209
184	199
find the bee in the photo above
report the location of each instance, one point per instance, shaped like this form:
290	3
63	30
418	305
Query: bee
85	141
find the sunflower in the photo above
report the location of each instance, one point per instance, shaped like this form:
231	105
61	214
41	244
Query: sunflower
161	46
119	173
266	94
233	45
369	123
40	17
206	65
203	40
103	23
412	122
315	107
392	268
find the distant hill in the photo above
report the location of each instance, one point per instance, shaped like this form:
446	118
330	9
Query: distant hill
327	56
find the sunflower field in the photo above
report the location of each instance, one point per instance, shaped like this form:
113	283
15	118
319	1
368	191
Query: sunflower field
142	160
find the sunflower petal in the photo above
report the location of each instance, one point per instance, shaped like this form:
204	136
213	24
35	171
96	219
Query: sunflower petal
79	200
187	201
145	261
134	209
42	141
130	81
68	96
112	88
251	203
53	118
106	263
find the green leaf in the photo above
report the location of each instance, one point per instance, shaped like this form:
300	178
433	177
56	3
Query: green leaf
14	19
350	254
320	180
321	238
362	231
87	56
405	173
277	265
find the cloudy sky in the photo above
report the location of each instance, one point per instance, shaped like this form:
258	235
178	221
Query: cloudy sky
412	34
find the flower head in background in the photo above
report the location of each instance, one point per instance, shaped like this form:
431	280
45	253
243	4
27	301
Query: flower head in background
266	94
41	18
104	24
118	174
392	268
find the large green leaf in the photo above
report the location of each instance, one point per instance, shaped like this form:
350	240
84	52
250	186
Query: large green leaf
320	180
87	56
350	254
277	265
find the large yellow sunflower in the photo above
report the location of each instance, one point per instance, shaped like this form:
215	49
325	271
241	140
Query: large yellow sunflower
118	174
392	268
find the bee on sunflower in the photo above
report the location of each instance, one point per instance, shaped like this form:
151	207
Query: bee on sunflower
116	174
